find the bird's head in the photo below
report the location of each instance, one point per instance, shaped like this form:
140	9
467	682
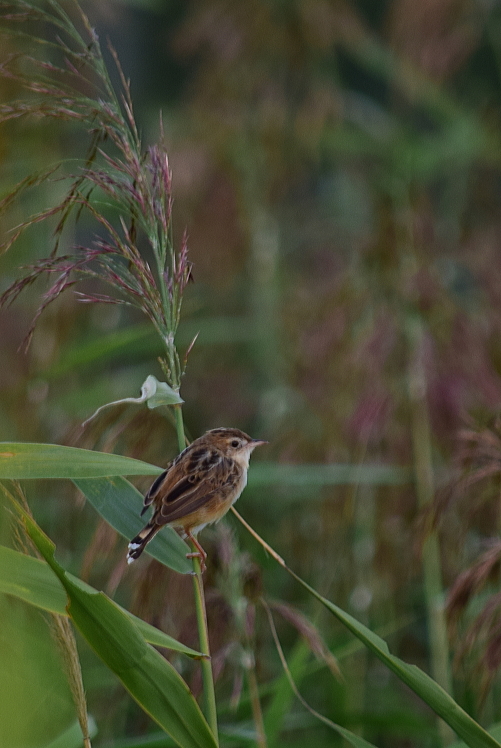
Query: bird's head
234	444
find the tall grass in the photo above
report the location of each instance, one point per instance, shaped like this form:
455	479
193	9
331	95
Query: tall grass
307	341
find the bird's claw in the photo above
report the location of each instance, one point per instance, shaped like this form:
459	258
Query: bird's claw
197	554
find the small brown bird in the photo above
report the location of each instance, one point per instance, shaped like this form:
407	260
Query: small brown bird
197	488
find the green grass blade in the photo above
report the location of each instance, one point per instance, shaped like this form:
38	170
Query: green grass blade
120	504
355	740
158	638
19	460
33	581
494	730
439	700
150	679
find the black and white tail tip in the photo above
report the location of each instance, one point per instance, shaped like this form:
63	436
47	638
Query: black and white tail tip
135	550
138	544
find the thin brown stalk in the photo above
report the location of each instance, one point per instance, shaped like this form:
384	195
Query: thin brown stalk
288	673
257	712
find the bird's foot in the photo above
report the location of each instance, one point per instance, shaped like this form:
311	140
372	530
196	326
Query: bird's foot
197	554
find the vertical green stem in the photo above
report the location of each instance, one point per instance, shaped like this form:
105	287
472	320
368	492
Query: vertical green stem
203	633
363	512
256	706
424	483
181	441
160	263
421	436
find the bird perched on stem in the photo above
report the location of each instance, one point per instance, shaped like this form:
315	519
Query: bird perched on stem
197	488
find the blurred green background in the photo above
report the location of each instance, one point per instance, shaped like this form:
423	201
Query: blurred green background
337	166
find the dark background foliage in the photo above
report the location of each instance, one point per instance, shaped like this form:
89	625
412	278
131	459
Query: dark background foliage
337	168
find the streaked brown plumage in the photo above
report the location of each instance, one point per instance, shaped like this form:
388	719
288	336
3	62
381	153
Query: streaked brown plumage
198	487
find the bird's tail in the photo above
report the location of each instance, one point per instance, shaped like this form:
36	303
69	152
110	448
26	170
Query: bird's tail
138	544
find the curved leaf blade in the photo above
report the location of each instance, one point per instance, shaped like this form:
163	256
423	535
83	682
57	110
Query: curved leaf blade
494	730
422	684
153	392
33	581
120	503
20	460
150	679
158	638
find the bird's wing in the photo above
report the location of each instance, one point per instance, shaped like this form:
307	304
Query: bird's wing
152	491
189	483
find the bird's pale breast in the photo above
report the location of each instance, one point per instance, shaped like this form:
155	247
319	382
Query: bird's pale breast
215	508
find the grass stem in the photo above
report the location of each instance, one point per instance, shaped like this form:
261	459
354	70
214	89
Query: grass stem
203	635
425	489
201	613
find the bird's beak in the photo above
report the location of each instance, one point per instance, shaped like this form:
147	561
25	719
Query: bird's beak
257	442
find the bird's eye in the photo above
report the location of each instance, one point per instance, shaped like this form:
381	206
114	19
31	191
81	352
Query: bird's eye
235	443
